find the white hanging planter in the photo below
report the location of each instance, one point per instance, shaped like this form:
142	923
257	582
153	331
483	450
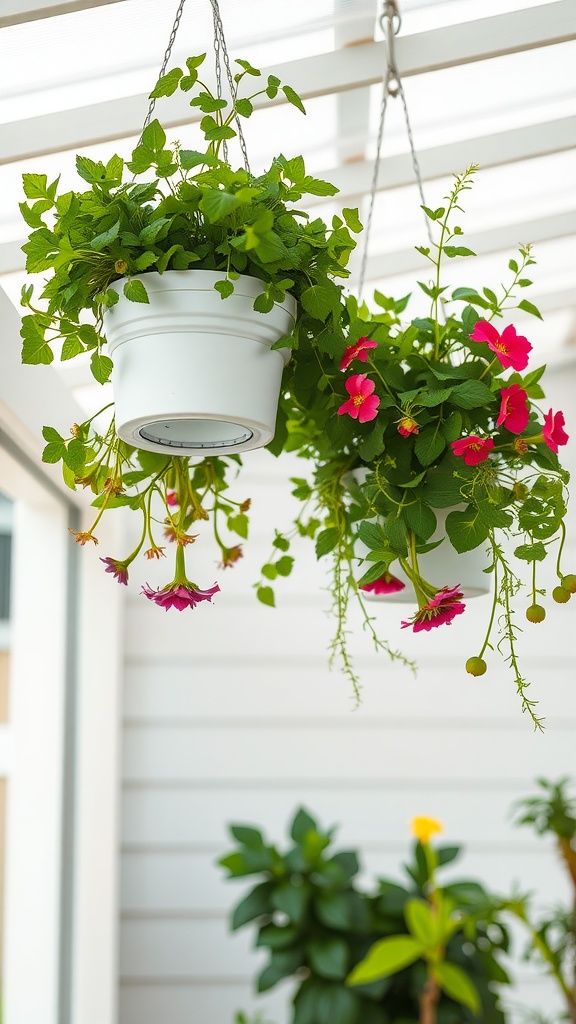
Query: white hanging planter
441	567
195	373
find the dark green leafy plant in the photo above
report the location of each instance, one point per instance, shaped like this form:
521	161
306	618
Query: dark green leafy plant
553	934
316	925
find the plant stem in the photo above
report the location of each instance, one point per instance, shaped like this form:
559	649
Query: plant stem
429	1001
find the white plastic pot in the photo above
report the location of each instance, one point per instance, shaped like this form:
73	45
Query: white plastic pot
195	373
441	567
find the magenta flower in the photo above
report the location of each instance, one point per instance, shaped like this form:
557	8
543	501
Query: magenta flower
179	595
440	610
357	351
386	584
510	348
553	430
171	498
362	404
474	449
407	426
117	568
514	412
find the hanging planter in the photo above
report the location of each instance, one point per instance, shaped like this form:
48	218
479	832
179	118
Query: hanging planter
194	374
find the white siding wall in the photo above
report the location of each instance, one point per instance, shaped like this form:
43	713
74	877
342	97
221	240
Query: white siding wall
231	715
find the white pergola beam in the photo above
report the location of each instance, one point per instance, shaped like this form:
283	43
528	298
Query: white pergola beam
15	12
355	179
352	68
503	238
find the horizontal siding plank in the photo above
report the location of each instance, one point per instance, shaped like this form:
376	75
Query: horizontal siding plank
186	881
201	816
245	690
297	753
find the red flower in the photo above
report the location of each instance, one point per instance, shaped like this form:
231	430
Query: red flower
510	348
514	412
179	595
553	430
440	609
171	498
407	426
386	584
474	449
362	404
357	351
118	569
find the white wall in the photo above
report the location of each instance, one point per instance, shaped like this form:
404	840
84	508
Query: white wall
230	714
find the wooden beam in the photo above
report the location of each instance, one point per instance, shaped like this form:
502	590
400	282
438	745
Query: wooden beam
506	237
323	74
16	12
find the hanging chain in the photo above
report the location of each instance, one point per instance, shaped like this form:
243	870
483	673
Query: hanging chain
175	28
221	48
391	22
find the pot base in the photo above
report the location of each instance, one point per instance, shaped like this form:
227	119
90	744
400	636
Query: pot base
194	434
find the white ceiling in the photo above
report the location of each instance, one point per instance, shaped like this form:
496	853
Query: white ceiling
487	81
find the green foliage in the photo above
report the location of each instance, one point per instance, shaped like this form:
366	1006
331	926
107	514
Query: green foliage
319	926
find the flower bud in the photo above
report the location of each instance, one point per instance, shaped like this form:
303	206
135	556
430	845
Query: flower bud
535	613
476	666
560	595
120	266
569	583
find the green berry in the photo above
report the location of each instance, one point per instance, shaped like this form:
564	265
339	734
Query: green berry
476	666
560	595
535	613
569	583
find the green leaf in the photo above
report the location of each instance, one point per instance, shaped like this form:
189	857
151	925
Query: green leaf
135	291
529	307
55	450
239	524
255	904
225	288
154	137
373	444
167	85
106	237
145	260
293	98
217	204
429	445
244	107
283	963
472	394
248	67
75	454
318	300
466	530
301	825
421	519
266	596
71	347
101	367
273	936
422	923
328	957
352	219
388	956
326	541
250	837
291	900
35	348
458	985
457	250
531	552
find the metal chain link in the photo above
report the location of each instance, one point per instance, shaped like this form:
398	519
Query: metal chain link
175	28
221	48
391	22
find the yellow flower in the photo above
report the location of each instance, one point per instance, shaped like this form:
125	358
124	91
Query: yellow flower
424	828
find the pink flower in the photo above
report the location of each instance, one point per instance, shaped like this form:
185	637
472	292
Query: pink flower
514	412
440	609
171	498
179	595
510	348
357	351
553	430
118	569
474	449
362	404
386	584
407	426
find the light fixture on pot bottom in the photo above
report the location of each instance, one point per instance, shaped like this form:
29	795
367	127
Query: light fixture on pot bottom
192	373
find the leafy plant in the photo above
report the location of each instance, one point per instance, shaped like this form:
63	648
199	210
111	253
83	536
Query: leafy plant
171	208
553	935
317	925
